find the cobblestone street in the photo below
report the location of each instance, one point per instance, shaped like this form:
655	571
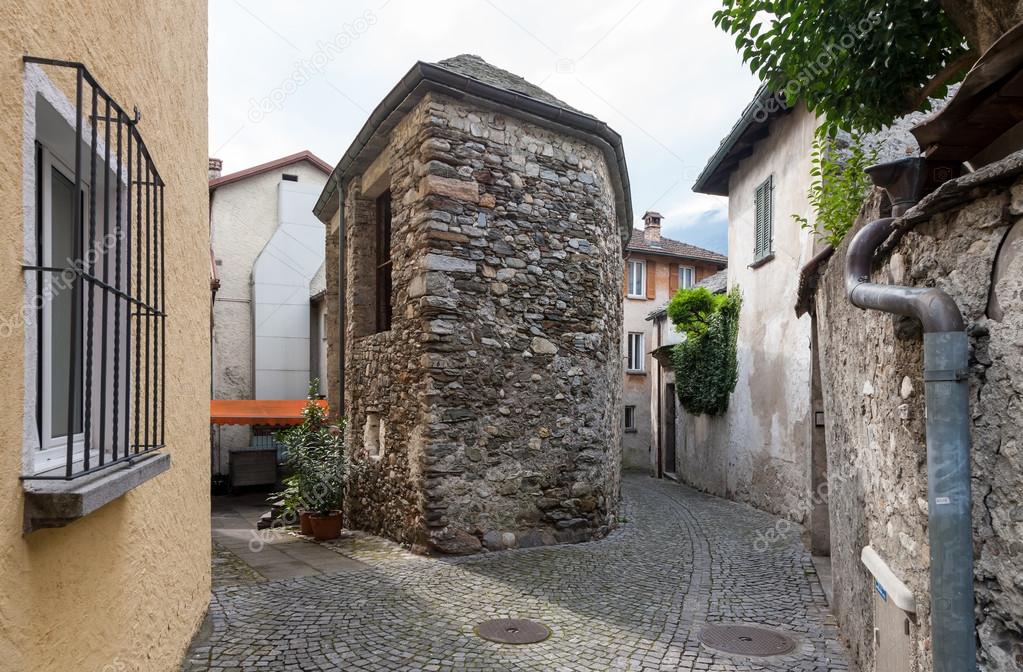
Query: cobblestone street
633	601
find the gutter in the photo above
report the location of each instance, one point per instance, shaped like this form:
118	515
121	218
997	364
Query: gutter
947	409
424	77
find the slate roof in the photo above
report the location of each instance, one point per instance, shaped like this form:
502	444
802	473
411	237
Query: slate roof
473	66
673	248
717	283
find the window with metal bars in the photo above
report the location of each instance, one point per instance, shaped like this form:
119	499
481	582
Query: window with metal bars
97	290
383	270
763	203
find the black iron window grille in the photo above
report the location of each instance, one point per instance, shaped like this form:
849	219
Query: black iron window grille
100	296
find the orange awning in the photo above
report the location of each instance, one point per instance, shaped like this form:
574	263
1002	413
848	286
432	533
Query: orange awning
258	411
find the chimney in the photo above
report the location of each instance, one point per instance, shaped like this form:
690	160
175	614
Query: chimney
215	166
652	229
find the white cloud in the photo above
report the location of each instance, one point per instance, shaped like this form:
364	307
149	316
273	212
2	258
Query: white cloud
657	71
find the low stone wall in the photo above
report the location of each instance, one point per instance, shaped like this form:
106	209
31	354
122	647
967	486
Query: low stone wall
965	239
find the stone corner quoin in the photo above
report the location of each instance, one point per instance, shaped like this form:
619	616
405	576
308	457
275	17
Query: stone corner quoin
498	384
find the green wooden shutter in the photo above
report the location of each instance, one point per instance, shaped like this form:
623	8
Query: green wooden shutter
763	218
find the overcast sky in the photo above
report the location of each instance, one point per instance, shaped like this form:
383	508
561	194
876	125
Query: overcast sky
305	74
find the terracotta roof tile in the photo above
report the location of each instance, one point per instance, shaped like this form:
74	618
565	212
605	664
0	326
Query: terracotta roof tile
673	248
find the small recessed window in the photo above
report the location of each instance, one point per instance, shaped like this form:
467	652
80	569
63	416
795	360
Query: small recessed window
630	418
289	178
374	436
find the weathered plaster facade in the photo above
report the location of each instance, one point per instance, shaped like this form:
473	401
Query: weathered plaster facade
662	281
759	452
125	586
489	411
244	216
966	240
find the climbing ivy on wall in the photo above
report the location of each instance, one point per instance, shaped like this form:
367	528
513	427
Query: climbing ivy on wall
839	183
705	363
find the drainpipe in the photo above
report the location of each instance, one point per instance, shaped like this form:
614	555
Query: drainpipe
947	408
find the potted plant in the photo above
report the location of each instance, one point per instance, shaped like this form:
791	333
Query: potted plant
315	452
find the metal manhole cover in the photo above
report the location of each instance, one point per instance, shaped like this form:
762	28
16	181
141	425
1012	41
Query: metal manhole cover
513	631
746	640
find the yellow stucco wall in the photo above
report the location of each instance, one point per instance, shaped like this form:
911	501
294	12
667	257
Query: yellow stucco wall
125	587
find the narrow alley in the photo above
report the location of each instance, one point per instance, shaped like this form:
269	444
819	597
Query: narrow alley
636	600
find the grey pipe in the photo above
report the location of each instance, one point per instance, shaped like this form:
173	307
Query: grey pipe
946	390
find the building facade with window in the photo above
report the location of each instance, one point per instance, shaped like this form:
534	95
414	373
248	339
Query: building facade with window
105	526
655	268
760	451
269	310
474	259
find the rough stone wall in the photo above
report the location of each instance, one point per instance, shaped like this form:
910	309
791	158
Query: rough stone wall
873	392
384	372
501	371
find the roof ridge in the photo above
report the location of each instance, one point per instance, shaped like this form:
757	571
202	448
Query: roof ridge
259	169
640	232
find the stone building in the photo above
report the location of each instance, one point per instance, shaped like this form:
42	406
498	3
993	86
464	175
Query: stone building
269	308
966	240
480	224
105	501
655	268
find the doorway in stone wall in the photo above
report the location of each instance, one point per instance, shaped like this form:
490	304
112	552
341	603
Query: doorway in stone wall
820	523
668	430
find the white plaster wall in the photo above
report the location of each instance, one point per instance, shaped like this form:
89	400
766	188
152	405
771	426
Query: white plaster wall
769	414
280	294
243	217
759	452
637	447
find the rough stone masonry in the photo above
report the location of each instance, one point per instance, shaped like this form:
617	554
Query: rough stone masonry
967	239
487	415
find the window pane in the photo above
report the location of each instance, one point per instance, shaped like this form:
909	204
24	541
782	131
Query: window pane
62	235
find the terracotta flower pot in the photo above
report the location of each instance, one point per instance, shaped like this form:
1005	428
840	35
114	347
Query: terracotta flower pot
326	527
304	525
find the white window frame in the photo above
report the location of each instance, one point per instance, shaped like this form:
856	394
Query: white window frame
635	356
637	281
52	451
630	427
46	142
682	284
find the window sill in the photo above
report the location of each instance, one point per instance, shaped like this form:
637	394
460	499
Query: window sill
636	373
631	431
762	260
60	503
636	297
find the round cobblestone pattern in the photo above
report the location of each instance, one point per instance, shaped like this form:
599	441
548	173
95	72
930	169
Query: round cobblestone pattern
635	601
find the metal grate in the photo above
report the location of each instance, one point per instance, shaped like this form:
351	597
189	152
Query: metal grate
746	640
513	631
116	371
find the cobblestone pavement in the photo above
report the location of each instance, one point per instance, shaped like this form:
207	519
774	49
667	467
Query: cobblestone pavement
633	601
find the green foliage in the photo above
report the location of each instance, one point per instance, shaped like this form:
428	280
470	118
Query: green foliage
705	363
839	184
690	310
858	64
316	454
